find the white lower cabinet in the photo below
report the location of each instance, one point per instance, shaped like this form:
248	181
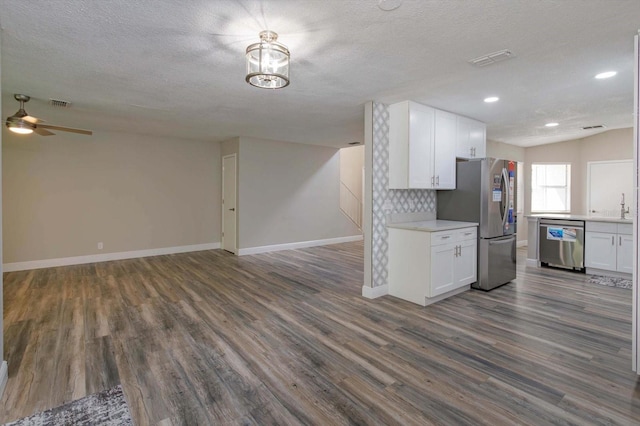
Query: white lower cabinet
624	253
425	266
609	246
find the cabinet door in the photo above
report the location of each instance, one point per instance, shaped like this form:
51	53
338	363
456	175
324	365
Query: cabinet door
421	139
625	253
463	149
442	267
477	139
600	250
444	158
465	266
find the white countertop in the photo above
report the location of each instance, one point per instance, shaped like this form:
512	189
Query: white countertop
432	225
580	217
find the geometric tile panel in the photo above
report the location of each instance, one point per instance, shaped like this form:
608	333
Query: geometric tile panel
424	199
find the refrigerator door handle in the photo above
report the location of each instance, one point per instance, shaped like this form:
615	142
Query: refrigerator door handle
505	210
499	242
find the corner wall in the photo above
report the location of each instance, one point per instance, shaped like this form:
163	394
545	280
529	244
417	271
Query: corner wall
611	145
289	193
65	193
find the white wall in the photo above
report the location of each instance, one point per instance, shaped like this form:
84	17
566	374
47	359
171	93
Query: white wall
65	193
611	145
288	193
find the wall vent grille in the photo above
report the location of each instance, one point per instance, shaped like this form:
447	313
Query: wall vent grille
57	103
597	126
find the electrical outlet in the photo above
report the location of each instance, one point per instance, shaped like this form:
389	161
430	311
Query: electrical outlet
100	245
387	205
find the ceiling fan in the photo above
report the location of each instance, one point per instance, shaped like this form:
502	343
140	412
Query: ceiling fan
24	124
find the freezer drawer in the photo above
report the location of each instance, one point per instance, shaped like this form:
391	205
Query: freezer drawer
497	262
561	243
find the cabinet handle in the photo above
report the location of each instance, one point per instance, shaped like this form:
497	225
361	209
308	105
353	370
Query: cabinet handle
613	240
470	152
620	239
445	237
433	180
438	180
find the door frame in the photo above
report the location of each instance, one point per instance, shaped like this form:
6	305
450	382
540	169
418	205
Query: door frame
222	205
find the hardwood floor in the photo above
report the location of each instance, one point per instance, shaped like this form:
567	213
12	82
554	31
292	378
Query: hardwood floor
286	338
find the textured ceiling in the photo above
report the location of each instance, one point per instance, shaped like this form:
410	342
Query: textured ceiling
176	68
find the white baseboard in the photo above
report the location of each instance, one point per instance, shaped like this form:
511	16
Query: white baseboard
93	258
301	244
4	376
521	243
375	292
534	263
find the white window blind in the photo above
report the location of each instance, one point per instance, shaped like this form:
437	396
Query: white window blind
551	188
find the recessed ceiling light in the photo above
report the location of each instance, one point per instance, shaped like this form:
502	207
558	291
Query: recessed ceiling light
388	5
491	99
607	74
551	124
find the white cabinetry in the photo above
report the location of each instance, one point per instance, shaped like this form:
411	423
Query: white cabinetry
471	138
421	147
425	267
609	246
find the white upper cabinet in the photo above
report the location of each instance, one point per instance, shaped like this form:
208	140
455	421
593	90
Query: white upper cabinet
421	147
444	155
471	138
411	133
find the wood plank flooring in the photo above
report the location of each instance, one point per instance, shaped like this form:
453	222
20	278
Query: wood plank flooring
286	338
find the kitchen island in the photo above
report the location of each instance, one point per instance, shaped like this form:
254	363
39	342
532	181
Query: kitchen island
608	242
431	260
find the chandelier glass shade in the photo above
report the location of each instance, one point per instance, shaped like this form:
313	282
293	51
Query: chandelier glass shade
268	62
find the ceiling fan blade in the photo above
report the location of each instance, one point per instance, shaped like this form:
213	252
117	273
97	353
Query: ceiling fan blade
65	129
31	119
43	132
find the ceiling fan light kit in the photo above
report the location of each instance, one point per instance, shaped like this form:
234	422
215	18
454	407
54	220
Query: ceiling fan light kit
268	62
23	124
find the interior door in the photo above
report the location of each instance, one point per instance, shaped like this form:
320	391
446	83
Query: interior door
229	194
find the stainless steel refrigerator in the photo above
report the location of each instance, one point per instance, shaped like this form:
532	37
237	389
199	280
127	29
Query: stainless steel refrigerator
486	193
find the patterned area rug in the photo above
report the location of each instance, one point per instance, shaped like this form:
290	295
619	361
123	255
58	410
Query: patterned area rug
611	281
105	409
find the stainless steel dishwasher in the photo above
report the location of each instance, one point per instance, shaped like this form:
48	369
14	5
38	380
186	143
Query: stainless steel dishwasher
561	243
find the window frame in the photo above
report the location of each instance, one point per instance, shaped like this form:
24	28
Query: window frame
567	187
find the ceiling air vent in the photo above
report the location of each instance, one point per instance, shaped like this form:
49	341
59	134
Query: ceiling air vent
491	58
59	103
597	126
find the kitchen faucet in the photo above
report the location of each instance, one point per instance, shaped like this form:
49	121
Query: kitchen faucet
622	210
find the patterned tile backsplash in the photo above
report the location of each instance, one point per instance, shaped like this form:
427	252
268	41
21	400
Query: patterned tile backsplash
399	200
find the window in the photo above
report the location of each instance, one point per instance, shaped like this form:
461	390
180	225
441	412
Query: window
551	188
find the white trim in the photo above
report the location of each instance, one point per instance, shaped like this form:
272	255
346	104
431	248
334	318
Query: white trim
430	300
522	243
301	244
92	258
533	263
4	376
375	292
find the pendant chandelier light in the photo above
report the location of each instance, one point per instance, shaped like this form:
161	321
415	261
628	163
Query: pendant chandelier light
268	62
